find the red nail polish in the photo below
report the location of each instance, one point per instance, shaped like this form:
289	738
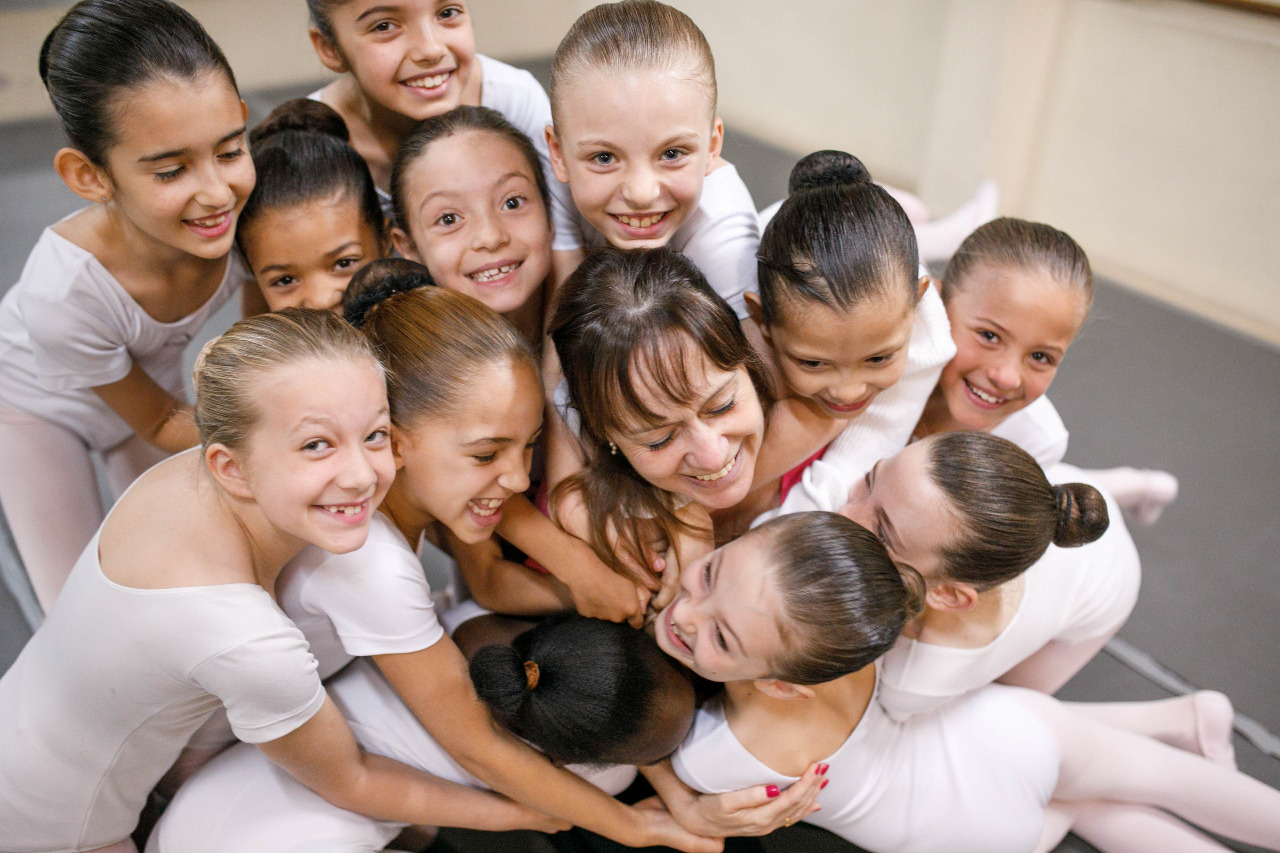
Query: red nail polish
772	791
823	768
824	784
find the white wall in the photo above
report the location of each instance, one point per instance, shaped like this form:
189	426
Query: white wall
1148	129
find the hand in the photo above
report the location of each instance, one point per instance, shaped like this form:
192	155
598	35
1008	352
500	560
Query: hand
661	830
668	571
752	811
599	592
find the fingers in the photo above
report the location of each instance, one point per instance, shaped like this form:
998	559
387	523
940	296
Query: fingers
797	802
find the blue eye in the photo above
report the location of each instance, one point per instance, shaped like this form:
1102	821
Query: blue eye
603	158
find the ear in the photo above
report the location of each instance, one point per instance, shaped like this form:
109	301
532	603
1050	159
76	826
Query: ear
557	156
398	440
82	176
404	244
327	51
922	286
779	689
227	470
717	144
755	310
950	596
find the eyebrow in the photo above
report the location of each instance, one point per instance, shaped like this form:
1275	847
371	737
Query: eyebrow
483	441
376	10
178	152
716	393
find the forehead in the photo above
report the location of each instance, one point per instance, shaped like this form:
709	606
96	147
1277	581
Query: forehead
501	399
343	392
636	107
1026	301
919	511
303	229
469	161
867	328
672	378
168	114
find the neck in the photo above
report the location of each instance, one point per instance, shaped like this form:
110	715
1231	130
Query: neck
389	129
527	319
129	248
268	547
936	417
974	627
409	518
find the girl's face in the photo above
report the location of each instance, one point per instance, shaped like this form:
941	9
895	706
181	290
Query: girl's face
416	58
179	171
1012	329
898	501
476	220
461	469
706	450
841	359
724	623
634	150
319	460
305	255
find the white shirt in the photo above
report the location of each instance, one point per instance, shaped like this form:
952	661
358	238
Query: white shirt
68	326
1037	429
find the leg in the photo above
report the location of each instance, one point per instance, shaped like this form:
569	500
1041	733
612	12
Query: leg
1058	819
128	460
1126	828
126	846
915	208
1199	722
50	498
939	239
1054	665
1099	762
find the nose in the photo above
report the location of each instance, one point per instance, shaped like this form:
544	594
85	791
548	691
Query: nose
214	191
489	234
357	475
1004	374
515	476
426	49
849	391
706	450
641	188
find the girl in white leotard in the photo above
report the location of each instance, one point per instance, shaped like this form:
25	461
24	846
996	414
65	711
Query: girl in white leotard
167	615
792	617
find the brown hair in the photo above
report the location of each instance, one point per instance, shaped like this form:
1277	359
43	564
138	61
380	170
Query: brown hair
843	599
634	35
623	308
463	119
226	411
431	340
1016	244
1007	510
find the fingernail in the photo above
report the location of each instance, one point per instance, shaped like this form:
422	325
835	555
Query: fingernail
772	790
823	768
824	784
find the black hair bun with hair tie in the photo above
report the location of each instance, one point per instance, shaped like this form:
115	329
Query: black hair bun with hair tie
378	281
303	115
827	168
1082	515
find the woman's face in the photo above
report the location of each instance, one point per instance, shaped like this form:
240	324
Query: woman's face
634	150
318	462
1012	329
476	220
841	359
704	450
461	469
416	58
179	170
898	501
305	255
724	623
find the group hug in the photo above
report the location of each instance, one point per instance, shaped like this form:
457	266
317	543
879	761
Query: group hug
745	503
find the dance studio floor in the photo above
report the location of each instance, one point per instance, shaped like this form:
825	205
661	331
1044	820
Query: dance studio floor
1144	385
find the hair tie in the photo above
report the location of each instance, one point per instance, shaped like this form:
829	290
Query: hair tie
530	675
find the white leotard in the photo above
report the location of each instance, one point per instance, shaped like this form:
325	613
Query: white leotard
1037	429
105	695
1069	596
68	326
973	776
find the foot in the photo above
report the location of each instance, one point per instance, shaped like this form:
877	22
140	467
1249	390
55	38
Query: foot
940	238
1142	493
1214	720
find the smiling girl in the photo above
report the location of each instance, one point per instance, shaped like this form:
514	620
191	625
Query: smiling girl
314	218
92	335
637	139
169	614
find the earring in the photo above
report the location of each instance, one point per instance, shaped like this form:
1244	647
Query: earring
613	449
104	199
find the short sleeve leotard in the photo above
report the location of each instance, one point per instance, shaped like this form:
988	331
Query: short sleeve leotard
105	695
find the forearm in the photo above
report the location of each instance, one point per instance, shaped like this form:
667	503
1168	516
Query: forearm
563	555
502	586
177	431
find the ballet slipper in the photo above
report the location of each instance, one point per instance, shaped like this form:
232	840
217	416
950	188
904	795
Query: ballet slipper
1214	720
939	239
1142	493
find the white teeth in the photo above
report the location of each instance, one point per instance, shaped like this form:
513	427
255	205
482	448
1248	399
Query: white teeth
485	507
428	82
344	510
982	395
209	221
495	273
707	478
640	222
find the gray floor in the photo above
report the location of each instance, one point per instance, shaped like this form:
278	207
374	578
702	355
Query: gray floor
1144	385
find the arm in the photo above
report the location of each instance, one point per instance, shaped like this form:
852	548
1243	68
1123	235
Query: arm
435	684
151	411
502	586
758	810
323	755
596	590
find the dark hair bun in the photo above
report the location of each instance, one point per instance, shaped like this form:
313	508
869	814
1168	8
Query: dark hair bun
826	168
1082	515
500	680
379	280
301	114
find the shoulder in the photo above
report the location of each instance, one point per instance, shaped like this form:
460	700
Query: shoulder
57	267
724	192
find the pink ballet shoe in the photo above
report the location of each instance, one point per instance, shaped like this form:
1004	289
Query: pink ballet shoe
1215	717
1142	493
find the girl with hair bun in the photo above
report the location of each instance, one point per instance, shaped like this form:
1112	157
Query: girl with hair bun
793	616
855	334
466	409
314	217
93	333
170	615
